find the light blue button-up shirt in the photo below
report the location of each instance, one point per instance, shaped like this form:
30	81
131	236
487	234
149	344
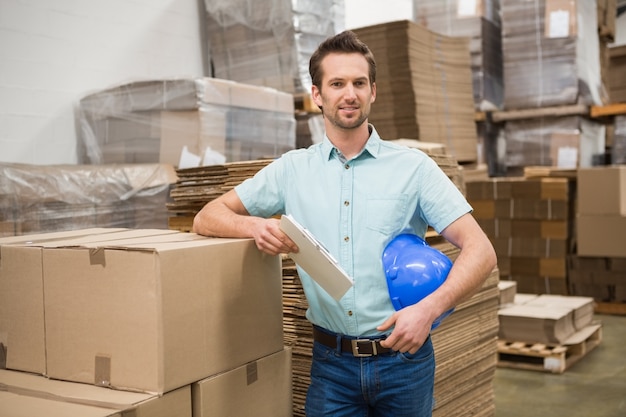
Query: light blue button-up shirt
354	208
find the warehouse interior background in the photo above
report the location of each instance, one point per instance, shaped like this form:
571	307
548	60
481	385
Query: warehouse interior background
62	57
55	52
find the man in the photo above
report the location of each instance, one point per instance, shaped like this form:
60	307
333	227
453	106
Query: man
355	192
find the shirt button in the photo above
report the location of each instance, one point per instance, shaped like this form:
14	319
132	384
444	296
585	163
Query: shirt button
346	203
350	313
346	239
346	166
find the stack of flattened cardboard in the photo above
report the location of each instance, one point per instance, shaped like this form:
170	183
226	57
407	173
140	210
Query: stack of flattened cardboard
544	318
465	345
551	56
197	186
424	86
479	21
529	222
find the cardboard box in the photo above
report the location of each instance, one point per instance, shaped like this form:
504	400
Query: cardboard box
601	235
521	228
261	388
21	297
530	247
155	310
602	190
30	393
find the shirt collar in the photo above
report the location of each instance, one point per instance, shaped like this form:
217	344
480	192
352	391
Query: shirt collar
372	146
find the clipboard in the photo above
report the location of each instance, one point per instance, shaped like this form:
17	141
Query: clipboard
316	260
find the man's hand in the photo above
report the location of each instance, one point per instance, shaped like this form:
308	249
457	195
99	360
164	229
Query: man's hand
270	238
412	326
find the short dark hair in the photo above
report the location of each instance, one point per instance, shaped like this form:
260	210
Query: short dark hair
345	42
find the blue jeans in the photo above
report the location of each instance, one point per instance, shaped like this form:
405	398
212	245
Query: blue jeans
394	384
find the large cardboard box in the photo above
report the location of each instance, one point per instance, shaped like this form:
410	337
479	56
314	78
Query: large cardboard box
602	190
155	310
601	235
22	333
34	395
261	388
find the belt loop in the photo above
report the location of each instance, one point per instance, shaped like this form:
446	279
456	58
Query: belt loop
338	343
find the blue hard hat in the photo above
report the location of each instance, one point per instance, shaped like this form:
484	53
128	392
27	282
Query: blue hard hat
414	270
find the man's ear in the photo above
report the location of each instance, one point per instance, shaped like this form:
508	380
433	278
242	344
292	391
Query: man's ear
373	99
316	95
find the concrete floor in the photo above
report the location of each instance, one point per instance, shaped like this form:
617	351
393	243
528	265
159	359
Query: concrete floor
595	386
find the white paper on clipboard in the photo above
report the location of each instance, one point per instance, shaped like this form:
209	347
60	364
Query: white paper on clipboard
316	260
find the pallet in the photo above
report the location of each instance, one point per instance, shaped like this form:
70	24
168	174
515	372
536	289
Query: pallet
304	103
613	308
546	358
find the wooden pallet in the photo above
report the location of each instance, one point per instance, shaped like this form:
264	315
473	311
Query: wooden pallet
614	308
546	358
304	102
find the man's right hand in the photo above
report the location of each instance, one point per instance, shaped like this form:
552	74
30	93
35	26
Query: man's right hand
270	238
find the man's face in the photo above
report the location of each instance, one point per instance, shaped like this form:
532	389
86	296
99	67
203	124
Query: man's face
345	95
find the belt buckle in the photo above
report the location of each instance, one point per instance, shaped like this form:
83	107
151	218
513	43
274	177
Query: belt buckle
355	347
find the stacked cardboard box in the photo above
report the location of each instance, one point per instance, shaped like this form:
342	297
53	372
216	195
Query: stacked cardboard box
149	311
160	120
599	277
550	52
36	199
552	319
269	43
424	86
566	142
26	394
481	24
529	222
601	211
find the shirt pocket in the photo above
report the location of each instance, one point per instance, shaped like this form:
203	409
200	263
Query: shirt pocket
386	213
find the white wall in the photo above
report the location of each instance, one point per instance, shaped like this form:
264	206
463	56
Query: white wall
53	52
361	13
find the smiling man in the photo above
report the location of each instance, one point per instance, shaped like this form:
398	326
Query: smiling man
355	192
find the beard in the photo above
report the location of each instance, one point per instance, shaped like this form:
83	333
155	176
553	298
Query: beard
346	122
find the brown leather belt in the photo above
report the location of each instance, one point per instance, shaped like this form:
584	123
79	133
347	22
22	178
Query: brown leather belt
359	347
